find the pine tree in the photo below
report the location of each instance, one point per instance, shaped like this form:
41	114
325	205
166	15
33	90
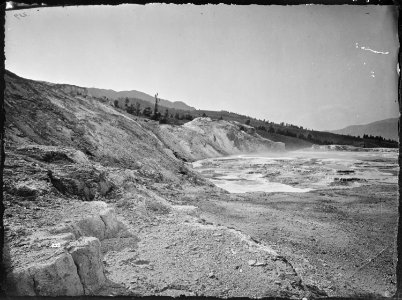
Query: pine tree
156	115
138	108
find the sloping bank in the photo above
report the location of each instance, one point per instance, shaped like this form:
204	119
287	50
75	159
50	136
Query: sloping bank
66	149
204	138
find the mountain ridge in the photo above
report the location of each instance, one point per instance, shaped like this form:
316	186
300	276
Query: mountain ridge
386	128
112	94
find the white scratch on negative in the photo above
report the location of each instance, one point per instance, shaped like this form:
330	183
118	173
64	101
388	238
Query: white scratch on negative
368	49
374	51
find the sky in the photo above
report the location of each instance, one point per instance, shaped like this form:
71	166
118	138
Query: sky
321	67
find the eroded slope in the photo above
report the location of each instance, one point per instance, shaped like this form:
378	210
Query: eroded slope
83	201
203	138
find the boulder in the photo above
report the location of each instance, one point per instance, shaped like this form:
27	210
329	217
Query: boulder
113	227
102	225
29	188
92	226
75	268
86	254
20	283
104	186
55	276
84	182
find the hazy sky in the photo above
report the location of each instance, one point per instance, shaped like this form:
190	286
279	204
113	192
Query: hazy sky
323	67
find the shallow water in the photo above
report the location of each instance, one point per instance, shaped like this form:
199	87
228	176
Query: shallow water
300	171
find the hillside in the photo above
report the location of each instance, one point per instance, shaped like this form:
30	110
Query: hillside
94	126
59	115
202	138
387	129
293	136
101	202
89	188
137	95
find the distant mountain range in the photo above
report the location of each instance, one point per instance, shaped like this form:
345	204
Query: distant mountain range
387	128
111	94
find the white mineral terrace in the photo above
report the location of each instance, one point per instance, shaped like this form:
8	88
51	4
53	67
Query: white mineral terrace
299	171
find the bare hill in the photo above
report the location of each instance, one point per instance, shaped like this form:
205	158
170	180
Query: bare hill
387	129
202	138
61	115
111	94
294	137
85	198
66	115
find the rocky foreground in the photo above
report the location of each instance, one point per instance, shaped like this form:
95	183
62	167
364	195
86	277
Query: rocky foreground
86	229
85	216
99	202
75	227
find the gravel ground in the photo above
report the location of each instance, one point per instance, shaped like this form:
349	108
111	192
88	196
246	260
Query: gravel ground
185	255
196	239
342	241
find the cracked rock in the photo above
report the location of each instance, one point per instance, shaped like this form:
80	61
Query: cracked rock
55	276
87	257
